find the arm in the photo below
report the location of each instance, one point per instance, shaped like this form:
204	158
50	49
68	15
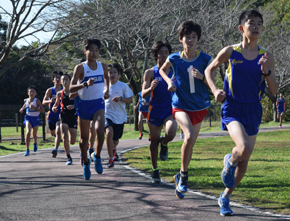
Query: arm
73	95
267	63
107	82
79	75
137	105
23	107
149	83
39	107
221	58
56	104
47	97
127	100
164	75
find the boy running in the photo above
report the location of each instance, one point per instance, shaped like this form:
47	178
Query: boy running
68	116
53	117
190	98
160	110
115	111
90	79
31	120
281	107
248	67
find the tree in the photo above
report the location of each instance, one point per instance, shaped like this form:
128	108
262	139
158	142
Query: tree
28	18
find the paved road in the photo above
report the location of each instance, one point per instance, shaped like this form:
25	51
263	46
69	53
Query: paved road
39	187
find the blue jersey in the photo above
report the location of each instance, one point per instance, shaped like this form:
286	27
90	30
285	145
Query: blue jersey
244	81
191	93
281	104
160	96
53	94
141	100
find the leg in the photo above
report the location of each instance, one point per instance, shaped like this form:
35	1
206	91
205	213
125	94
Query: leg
153	147
57	136
170	129
65	139
84	126
140	124
27	135
109	140
34	134
73	135
281	118
99	119
92	135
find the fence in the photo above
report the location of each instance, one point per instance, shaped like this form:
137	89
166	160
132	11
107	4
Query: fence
10	116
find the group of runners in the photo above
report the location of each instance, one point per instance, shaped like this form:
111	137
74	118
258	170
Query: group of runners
178	90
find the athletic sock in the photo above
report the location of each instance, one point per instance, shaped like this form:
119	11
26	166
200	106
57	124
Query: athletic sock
226	195
155	169
97	157
68	156
231	163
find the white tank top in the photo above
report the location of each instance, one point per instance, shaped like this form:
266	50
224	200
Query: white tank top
31	112
96	90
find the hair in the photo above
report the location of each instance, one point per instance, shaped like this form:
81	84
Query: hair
186	27
32	87
247	14
67	75
117	66
89	41
56	73
157	46
281	92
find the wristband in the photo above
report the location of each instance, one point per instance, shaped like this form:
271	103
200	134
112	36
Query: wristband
203	78
268	74
121	98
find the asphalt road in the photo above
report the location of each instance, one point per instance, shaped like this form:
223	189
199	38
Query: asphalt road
39	187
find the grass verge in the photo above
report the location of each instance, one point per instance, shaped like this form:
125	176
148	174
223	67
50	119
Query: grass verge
265	185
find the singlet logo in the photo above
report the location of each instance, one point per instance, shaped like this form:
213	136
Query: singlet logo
98	79
234	62
158	78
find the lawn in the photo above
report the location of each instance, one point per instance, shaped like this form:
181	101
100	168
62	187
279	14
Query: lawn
267	181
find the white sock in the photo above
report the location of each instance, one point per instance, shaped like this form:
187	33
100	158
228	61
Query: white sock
231	163
226	195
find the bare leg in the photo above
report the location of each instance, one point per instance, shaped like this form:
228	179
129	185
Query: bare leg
65	139
57	137
99	120
170	129
27	135
84	126
109	140
153	147
34	134
92	135
140	122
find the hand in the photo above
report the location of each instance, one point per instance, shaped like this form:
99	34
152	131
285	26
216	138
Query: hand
70	107
154	84
195	73
219	95
91	81
116	99
52	100
54	109
171	86
135	107
21	111
264	64
106	94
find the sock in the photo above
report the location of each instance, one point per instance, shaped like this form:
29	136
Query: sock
226	195
184	172
112	158
98	157
86	163
68	156
155	169
231	163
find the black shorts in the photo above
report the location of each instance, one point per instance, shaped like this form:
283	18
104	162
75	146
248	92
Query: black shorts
69	119
117	129
53	126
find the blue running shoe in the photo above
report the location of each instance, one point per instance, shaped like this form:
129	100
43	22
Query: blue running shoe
87	171
178	194
34	147
182	183
228	173
54	153
163	150
224	204
26	153
69	161
98	163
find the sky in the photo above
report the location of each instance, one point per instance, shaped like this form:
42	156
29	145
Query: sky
42	37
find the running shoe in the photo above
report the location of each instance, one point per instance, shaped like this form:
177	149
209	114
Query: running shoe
163	150
155	176
69	161
86	170
182	183
149	138
228	173
98	163
26	153
140	136
34	147
224	204
111	163
178	194
54	153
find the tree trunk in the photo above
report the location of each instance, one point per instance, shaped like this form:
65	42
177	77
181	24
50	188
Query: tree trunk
273	101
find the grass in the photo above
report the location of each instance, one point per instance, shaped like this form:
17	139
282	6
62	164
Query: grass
265	185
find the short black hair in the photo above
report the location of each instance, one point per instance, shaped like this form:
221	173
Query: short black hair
54	73
281	92
186	27
89	41
249	13
32	87
117	66
157	46
67	75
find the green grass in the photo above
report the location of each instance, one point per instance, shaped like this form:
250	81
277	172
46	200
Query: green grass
265	185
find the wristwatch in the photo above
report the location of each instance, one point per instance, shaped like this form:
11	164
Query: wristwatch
121	98
268	74
86	84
